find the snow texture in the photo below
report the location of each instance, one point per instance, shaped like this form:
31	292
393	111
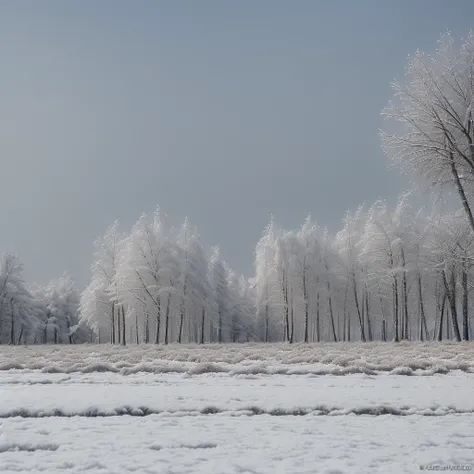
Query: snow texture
405	358
236	409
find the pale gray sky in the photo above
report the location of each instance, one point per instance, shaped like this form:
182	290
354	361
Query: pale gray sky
225	111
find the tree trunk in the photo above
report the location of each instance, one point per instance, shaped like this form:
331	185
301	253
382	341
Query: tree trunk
189	335
462	194
69	331
266	321
211	331
124	332
181	324
356	299
119	326
448	325
438	299
367	312
286	309
383	334
219	330
344	322
423	323
306	310
331	313
45	333
292	320
182	313
158	320
349	326
362	309
318	316
112	321
405	334
235	330
21	334
465	303
147	327
136	329
395	308
167	318
454	317
452	303
203	318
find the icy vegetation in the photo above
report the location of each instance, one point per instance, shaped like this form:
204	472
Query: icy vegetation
244	359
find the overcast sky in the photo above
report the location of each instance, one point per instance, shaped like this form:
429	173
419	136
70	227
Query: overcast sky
224	111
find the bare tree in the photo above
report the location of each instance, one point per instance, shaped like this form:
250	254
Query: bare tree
434	105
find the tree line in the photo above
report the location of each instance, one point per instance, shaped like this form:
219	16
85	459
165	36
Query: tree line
158	284
38	314
389	273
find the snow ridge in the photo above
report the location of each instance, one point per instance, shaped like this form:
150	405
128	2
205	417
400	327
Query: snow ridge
321	410
423	359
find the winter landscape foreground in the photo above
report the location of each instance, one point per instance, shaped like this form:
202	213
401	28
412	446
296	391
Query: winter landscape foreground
254	408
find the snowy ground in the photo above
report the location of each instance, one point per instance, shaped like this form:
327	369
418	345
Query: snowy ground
330	408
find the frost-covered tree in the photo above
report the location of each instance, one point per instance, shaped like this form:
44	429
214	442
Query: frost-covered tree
283	269
100	301
196	290
327	265
223	303
307	258
60	300
451	250
245	306
434	105
385	243
18	310
396	271
194	285
159	284
348	243
147	271
268	286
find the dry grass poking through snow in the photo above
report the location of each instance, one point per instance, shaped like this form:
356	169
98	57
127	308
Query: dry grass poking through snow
245	359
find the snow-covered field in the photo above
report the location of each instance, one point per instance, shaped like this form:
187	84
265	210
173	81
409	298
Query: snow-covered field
329	408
